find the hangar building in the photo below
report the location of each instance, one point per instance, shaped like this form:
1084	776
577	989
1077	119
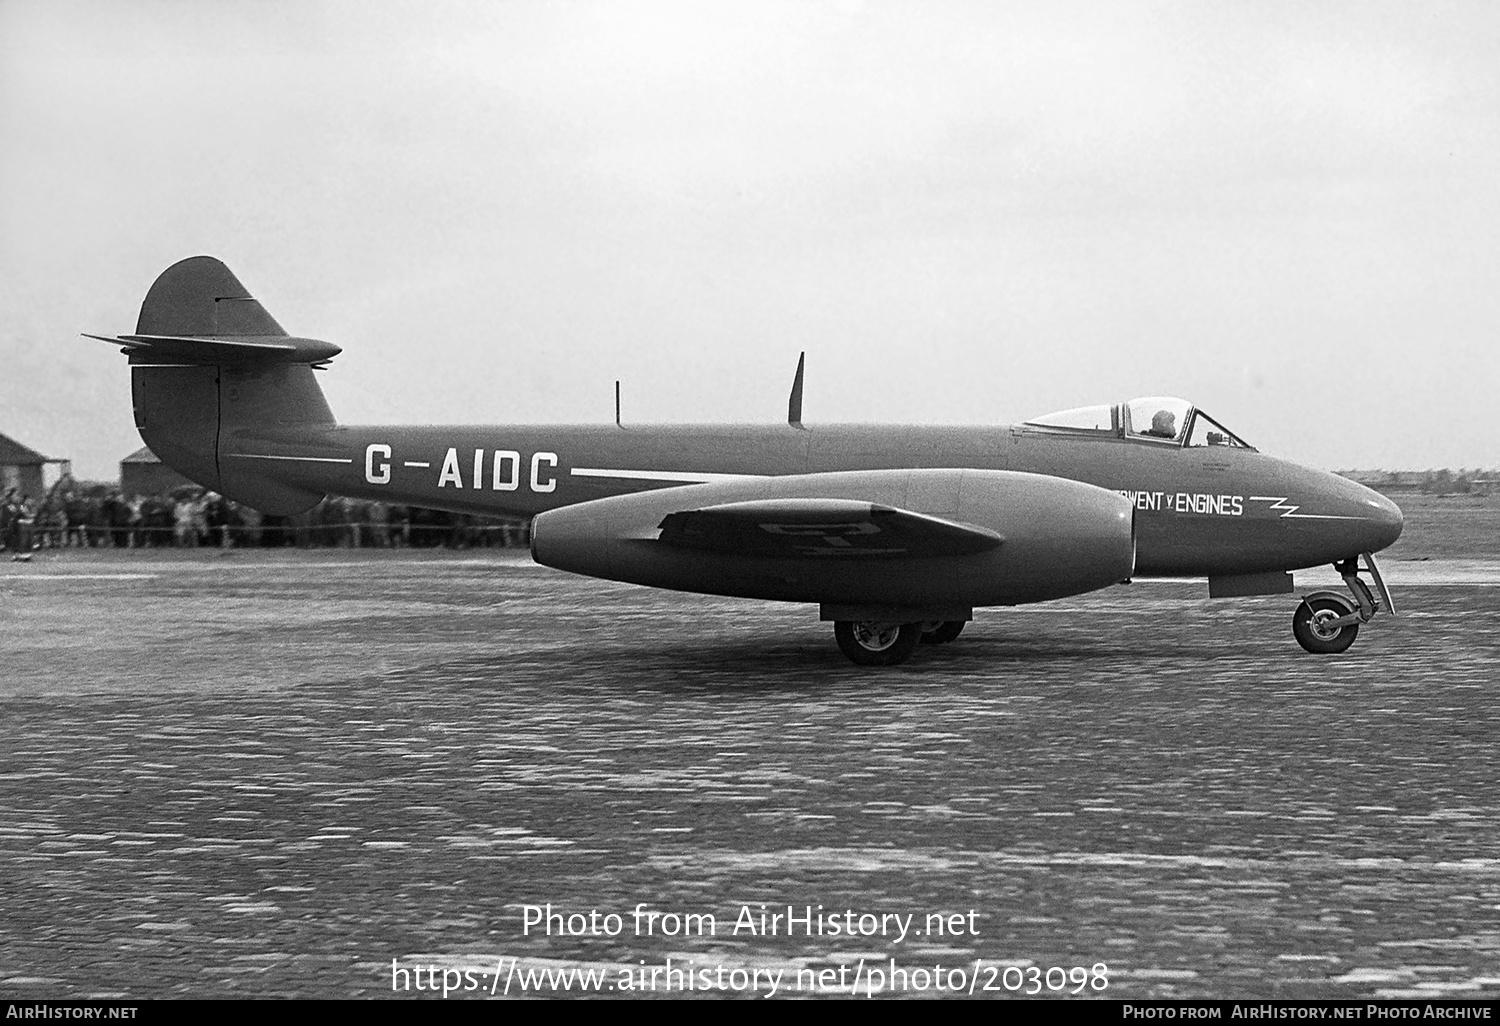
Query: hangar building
21	469
141	473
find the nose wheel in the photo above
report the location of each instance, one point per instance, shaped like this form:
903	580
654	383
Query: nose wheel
1327	622
1320	626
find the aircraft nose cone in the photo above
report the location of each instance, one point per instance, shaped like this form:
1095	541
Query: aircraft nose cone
1386	521
1379	520
1344	517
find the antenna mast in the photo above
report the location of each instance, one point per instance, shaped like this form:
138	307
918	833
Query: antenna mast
794	404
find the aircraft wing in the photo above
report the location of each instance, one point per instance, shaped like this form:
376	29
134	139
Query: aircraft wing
822	529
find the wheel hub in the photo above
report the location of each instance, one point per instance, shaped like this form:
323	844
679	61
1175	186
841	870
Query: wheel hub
876	637
1319	625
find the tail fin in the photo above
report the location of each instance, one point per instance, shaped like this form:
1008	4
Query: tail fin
210	367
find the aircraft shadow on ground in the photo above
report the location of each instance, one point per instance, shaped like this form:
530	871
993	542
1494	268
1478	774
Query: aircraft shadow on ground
793	666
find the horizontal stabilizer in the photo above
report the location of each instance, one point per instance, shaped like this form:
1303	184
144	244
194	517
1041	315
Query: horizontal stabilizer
822	529
197	313
237	350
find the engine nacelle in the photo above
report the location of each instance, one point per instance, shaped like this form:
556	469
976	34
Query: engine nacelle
1058	538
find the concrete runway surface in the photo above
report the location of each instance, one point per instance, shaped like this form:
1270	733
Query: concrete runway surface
274	773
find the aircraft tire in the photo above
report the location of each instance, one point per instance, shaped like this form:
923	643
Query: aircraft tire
877	644
941	632
1318	640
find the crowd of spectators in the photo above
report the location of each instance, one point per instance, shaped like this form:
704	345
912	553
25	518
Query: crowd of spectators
74	514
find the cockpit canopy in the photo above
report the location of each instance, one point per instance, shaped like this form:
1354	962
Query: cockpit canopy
1159	419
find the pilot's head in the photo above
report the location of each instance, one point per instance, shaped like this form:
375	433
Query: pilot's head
1164	424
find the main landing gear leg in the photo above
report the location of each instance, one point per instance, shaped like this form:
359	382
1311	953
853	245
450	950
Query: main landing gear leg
1327	622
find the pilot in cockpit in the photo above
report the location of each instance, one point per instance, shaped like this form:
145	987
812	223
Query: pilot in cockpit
1163	425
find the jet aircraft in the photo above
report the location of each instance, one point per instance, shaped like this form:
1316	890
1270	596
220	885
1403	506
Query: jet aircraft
896	533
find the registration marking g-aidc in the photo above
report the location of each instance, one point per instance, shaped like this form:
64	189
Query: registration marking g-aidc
505	470
504	466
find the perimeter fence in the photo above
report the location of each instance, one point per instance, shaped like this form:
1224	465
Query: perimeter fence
90	516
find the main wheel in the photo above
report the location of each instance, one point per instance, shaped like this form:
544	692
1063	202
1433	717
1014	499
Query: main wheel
1309	620
877	644
940	632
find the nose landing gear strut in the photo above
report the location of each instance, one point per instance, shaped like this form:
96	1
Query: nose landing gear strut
1327	622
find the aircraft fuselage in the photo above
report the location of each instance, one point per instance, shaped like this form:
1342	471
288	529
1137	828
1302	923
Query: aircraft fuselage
1199	511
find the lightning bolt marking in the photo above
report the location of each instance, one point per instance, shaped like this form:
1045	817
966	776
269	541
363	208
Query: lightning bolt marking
1289	509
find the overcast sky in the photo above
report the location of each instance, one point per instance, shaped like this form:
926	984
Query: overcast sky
965	213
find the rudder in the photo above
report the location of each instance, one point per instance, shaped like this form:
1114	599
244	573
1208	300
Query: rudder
210	368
